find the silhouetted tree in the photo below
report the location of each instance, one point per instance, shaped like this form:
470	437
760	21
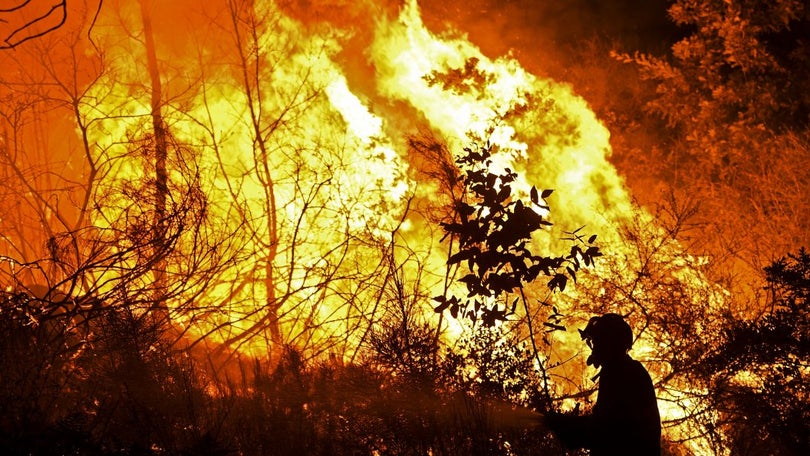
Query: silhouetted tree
760	376
741	65
493	229
491	246
724	115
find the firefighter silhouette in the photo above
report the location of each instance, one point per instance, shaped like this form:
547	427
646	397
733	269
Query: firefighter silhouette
624	420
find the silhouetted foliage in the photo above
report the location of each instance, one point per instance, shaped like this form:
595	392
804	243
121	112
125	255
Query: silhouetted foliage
724	115
121	386
492	363
760	375
740	66
113	386
494	230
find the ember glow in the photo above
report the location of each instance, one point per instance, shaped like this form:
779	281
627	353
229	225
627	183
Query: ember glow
295	193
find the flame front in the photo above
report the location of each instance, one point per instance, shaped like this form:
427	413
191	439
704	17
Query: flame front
302	158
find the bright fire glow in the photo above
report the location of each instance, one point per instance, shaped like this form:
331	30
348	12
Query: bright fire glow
306	168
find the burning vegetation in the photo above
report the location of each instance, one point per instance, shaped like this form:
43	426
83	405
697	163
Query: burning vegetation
272	227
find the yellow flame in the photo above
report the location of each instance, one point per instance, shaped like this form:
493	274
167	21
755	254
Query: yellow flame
555	142
558	142
337	161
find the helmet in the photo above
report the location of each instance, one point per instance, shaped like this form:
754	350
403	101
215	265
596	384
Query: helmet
608	333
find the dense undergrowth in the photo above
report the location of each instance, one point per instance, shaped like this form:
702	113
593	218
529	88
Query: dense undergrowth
110	381
116	385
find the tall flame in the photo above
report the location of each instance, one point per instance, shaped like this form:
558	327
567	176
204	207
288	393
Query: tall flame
304	164
556	142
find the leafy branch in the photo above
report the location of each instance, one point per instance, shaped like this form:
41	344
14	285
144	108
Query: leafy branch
493	230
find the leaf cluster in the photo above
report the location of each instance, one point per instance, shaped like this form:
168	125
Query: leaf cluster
739	72
461	80
493	229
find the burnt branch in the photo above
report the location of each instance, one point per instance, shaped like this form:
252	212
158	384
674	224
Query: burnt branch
28	30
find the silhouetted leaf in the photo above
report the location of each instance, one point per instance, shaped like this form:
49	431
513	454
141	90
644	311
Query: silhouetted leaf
553	326
558	281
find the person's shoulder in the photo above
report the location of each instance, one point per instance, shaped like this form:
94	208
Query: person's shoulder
625	371
635	368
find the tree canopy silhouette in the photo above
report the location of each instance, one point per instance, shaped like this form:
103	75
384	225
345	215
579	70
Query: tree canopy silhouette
494	229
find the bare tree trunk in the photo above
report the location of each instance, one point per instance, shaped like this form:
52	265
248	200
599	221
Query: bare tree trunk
250	78
161	176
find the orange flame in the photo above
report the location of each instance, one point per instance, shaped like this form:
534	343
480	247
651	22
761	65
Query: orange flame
278	116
